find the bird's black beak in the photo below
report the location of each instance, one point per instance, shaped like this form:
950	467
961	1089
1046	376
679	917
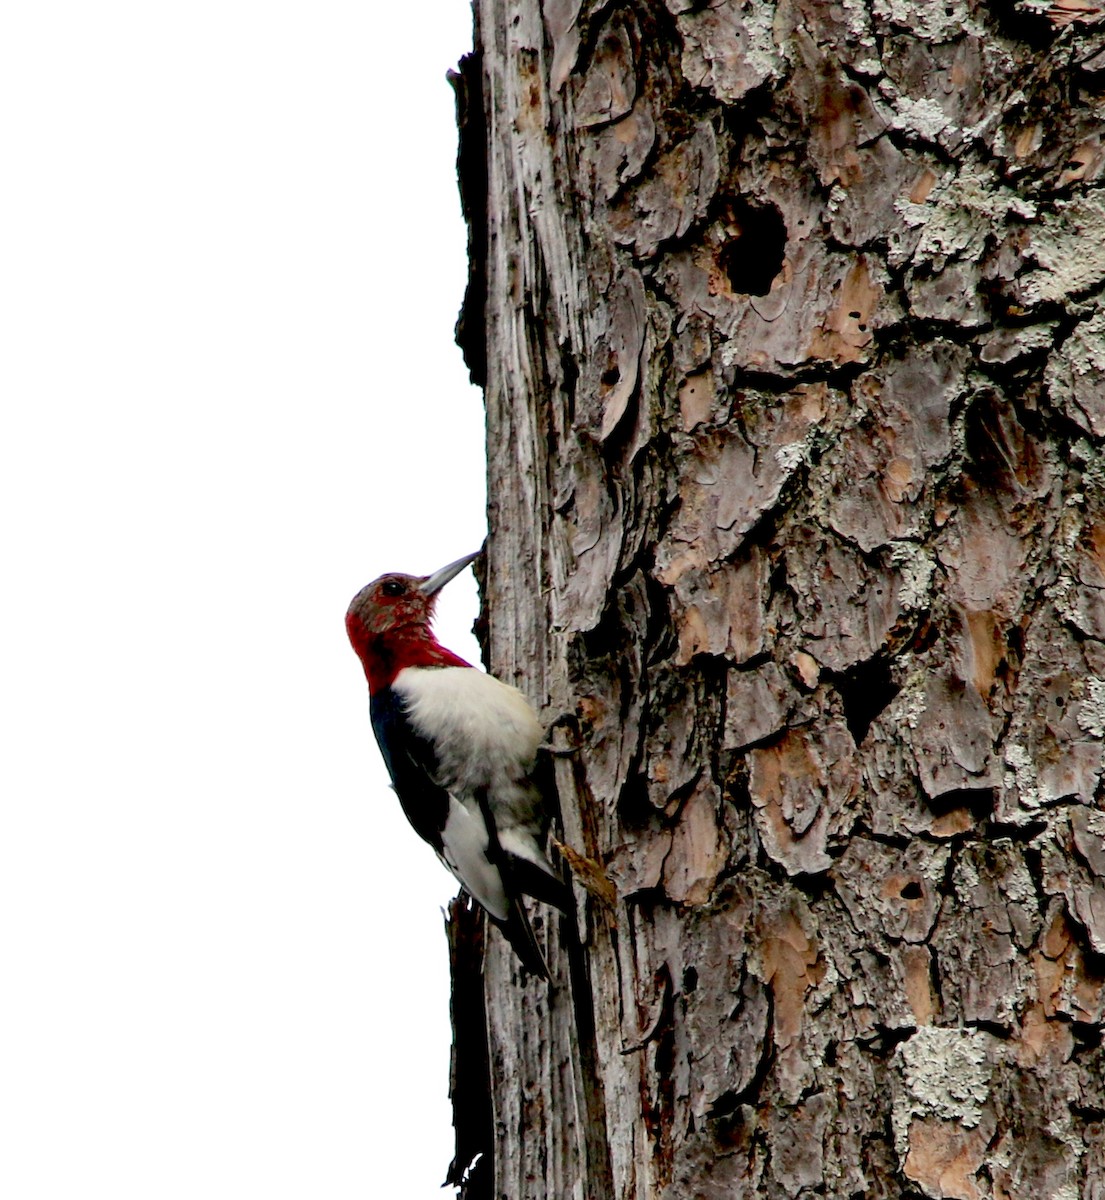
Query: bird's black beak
435	582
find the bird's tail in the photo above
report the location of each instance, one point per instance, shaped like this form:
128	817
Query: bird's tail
542	885
519	933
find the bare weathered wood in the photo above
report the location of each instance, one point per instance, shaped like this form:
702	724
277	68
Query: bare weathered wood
793	317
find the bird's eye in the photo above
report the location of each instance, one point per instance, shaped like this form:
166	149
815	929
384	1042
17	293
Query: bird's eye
394	588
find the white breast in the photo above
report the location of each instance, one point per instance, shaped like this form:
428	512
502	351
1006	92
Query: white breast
484	732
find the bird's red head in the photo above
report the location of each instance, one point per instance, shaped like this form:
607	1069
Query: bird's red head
389	624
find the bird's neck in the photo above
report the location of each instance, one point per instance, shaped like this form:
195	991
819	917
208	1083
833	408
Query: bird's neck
383	656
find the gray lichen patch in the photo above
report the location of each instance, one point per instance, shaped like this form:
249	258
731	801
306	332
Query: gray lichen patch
1069	250
728	49
944	1073
1075	375
958	217
1022	780
915	565
933	22
1091	712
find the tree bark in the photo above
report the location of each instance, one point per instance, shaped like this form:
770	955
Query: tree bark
791	325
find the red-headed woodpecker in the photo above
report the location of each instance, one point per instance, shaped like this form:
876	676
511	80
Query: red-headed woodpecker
460	747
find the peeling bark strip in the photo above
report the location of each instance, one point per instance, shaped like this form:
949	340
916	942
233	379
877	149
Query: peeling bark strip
795	385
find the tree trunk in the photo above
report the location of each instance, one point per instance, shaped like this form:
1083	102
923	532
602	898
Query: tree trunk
790	320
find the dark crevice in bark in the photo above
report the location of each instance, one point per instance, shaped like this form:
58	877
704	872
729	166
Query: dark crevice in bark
994	1028
471	328
980	802
836	375
899	841
885	1039
598	1169
1023	833
753	257
744	121
1022	24
865	691
1089	1113
678	796
659	1116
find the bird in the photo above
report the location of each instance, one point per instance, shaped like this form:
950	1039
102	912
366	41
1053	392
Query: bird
461	748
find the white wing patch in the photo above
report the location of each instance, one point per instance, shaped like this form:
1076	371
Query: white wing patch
464	852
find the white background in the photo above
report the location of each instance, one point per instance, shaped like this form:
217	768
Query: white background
231	257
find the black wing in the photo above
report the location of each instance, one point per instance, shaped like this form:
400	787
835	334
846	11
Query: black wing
412	765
